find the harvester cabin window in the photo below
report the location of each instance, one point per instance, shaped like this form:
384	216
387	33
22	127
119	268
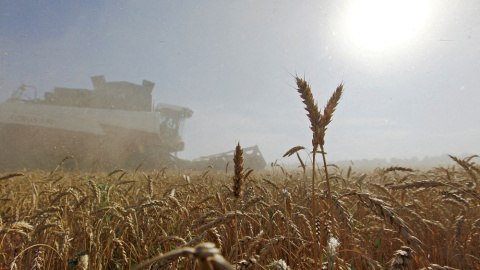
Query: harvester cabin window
169	125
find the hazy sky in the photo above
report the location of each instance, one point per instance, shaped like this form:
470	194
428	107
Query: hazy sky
411	89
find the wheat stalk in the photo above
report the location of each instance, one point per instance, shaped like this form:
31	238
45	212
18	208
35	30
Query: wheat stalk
318	126
11	176
237	189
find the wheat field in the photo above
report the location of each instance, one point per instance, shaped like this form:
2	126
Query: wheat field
318	216
389	218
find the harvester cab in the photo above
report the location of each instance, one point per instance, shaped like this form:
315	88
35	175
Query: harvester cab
171	119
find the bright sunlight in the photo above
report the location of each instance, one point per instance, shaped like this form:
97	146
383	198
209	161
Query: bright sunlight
380	24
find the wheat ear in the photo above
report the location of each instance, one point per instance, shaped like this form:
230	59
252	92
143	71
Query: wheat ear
207	255
239	176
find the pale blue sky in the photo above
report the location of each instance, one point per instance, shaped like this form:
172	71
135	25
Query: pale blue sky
230	62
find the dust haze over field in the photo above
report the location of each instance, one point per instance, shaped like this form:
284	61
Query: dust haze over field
230	62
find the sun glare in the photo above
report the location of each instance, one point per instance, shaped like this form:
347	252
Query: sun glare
379	24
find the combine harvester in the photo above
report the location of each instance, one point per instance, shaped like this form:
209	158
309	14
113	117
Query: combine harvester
115	125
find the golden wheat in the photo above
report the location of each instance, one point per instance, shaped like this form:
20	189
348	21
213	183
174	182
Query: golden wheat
74	220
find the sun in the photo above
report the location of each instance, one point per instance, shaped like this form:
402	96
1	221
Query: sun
380	24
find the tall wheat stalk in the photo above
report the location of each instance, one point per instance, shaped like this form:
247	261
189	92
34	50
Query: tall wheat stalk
319	124
237	189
